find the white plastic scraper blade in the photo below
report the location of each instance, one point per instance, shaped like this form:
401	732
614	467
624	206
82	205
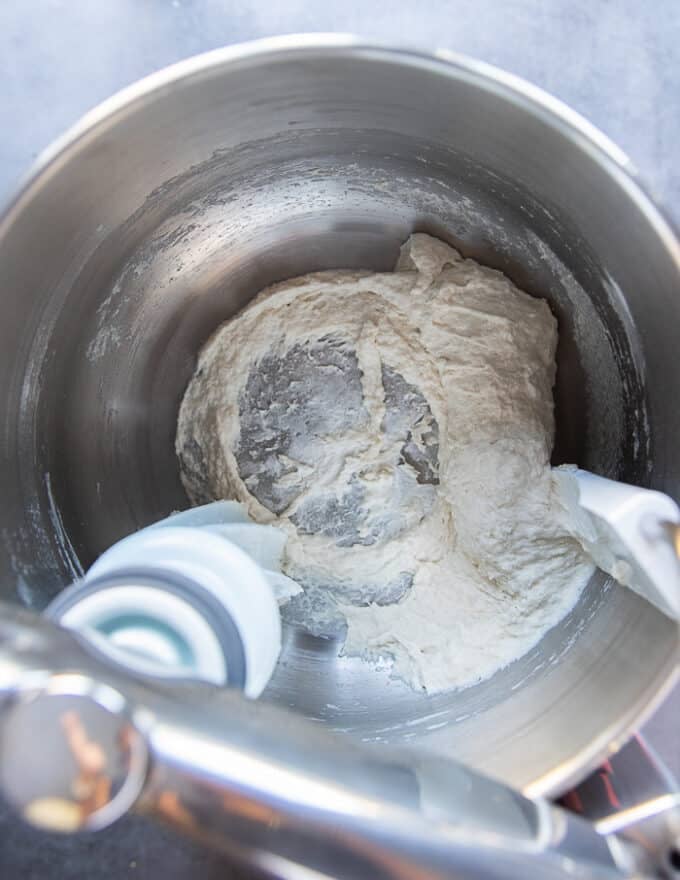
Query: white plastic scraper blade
631	533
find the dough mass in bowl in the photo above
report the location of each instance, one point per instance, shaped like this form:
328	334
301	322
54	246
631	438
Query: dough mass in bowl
399	427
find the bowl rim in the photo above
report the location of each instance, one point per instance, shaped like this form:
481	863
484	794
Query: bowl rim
531	98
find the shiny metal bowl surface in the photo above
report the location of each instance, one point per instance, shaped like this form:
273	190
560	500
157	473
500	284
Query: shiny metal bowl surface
172	204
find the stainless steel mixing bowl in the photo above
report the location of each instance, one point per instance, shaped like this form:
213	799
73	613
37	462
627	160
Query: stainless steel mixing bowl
168	207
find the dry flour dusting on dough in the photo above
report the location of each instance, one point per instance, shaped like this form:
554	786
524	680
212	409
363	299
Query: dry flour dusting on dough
398	426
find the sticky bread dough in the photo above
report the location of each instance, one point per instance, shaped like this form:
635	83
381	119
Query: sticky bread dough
398	426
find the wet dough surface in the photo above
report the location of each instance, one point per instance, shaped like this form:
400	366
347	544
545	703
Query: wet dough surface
398	426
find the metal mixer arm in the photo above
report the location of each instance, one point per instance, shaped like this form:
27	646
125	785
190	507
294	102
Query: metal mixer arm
82	742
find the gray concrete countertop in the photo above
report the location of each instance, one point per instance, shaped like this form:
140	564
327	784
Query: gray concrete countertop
615	61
